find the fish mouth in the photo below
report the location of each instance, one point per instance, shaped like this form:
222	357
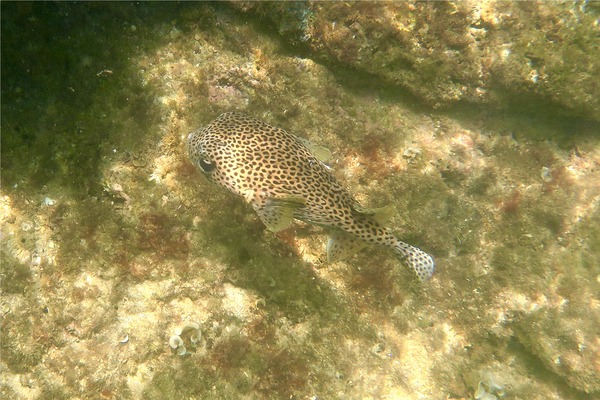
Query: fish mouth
193	149
193	134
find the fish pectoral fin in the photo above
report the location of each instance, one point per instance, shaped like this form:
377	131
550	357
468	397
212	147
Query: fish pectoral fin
249	195
380	215
278	214
341	246
321	153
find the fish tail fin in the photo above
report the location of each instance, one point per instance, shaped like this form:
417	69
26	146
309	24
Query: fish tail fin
416	259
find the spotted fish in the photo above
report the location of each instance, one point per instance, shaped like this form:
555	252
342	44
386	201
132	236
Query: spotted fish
284	178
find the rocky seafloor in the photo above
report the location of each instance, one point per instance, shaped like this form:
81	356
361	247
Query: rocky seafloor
478	121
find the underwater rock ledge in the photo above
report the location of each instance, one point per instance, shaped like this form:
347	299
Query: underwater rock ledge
449	52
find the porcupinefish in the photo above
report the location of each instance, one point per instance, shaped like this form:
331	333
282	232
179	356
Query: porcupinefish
284	178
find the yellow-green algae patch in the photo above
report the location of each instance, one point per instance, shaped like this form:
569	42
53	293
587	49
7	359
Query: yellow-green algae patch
138	243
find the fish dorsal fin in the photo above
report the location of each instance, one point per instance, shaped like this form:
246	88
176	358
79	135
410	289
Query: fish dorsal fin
321	153
380	215
341	246
278	214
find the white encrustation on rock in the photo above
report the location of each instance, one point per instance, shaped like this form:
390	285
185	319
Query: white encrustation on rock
190	332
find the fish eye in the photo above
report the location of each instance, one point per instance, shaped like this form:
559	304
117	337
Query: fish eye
205	165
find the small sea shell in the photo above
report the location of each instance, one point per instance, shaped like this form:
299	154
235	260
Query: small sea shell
175	341
49	202
546	174
196	336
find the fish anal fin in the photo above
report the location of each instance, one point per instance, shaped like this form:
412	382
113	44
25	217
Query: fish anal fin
278	213
341	246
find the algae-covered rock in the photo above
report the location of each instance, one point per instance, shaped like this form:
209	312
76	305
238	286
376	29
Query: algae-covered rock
111	238
564	343
463	51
